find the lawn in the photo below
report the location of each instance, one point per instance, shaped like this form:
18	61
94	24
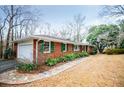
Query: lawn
97	70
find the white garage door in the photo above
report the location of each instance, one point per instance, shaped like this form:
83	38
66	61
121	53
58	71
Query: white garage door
25	51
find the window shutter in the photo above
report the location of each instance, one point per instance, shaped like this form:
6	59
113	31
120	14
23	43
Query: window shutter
52	47
62	47
42	46
67	47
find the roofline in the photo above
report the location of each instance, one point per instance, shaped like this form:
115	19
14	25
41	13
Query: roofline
49	39
23	39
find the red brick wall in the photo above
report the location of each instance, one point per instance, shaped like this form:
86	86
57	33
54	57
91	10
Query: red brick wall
57	52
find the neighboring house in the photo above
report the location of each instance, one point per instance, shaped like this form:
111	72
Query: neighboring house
38	48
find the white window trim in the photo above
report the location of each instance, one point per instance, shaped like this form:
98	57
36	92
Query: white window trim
65	47
77	48
49	47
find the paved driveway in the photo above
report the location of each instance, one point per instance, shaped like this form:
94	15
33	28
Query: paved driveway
7	65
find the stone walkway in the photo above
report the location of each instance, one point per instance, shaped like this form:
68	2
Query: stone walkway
13	77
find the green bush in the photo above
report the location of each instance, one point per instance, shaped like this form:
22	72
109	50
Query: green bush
94	51
77	55
8	53
64	59
122	44
51	61
80	55
23	67
85	54
114	51
68	57
61	59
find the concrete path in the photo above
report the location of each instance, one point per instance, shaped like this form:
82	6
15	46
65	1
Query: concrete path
13	77
7	65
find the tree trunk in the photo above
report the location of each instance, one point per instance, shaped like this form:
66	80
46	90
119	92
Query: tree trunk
1	46
8	36
12	34
10	28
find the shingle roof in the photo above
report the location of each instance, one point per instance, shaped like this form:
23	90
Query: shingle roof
51	38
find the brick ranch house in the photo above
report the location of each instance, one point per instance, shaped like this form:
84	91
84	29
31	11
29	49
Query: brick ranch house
38	48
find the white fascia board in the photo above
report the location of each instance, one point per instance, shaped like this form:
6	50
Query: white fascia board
50	39
53	39
24	39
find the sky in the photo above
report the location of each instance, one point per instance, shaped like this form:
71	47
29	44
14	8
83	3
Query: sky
55	14
58	15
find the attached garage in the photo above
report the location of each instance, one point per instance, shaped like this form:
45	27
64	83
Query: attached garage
25	51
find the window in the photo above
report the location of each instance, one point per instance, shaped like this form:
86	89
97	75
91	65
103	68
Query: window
63	47
76	48
46	47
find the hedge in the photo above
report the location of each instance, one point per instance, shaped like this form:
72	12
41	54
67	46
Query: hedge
69	57
114	51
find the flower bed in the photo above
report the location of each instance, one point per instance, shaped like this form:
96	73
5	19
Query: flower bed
49	64
69	57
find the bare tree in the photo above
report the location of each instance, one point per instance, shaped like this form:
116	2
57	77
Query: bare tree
2	26
73	29
55	33
11	13
66	31
79	22
114	10
45	28
48	27
19	20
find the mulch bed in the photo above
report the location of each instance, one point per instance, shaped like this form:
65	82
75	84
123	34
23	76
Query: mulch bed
42	68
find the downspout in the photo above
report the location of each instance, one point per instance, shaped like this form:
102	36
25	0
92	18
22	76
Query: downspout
37	51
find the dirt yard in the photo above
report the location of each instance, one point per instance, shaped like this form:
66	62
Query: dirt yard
96	70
